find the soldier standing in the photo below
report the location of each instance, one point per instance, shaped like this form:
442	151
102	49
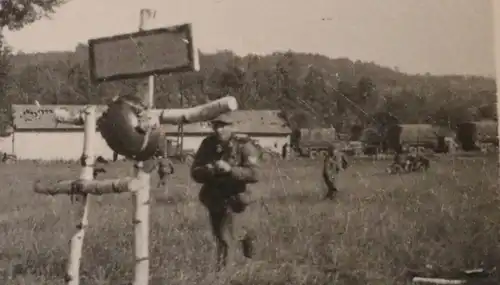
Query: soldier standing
225	164
165	169
284	151
334	162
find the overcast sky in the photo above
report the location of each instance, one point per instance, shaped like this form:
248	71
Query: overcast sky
417	36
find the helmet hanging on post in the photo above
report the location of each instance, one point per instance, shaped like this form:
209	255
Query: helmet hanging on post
123	129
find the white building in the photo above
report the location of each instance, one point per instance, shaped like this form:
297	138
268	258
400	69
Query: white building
38	136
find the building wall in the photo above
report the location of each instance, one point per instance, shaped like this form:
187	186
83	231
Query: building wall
6	144
56	145
69	145
274	142
191	142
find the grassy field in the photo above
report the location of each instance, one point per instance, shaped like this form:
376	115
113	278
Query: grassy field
380	228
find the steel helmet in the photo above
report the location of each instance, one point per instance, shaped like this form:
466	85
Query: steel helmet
119	126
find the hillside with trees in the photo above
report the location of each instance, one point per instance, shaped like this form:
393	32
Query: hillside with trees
311	89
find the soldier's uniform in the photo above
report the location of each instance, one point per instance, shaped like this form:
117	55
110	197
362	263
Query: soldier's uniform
333	164
225	195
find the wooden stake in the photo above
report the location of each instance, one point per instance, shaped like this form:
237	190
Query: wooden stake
141	227
144	20
76	243
141	197
92	187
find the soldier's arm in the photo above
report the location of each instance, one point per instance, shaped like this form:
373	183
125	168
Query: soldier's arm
249	172
201	172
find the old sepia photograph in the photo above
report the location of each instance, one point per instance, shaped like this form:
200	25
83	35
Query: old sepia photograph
237	142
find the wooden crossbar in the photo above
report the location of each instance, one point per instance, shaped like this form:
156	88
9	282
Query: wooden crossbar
92	187
157	117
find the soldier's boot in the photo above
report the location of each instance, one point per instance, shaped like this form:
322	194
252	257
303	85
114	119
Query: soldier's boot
247	245
222	224
222	254
331	194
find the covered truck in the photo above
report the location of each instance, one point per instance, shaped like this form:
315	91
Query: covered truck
413	136
313	142
474	135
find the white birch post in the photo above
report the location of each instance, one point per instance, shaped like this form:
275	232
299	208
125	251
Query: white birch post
141	198
87	160
496	49
84	188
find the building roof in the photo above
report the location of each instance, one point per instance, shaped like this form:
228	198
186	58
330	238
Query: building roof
32	117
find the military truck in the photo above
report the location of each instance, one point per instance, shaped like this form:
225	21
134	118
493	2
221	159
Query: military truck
478	135
413	137
313	143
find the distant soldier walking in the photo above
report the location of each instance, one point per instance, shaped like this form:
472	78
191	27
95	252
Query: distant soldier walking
225	164
165	169
334	163
284	151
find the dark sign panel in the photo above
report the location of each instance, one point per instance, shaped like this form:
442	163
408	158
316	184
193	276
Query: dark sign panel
143	53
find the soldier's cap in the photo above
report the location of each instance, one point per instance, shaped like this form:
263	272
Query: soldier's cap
224	119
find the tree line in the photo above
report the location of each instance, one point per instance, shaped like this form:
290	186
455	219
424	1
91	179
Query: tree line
312	90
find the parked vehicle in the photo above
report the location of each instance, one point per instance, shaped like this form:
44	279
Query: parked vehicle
478	135
175	153
414	137
313	143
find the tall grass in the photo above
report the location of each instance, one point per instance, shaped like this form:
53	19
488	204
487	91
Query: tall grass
380	230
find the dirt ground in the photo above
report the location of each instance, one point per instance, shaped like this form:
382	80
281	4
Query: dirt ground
380	228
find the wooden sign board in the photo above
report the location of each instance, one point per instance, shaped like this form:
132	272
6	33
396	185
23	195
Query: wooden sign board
144	53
